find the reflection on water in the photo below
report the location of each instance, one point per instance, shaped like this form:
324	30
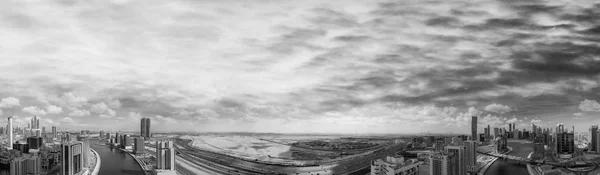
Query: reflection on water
115	161
501	167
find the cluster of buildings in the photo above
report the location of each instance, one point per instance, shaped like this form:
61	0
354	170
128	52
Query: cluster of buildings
38	152
165	151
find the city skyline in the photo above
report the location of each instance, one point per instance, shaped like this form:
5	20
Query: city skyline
300	66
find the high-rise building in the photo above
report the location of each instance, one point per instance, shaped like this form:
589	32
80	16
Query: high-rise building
538	148
145	127
35	142
54	135
25	165
593	139
165	155
565	142
10	132
460	167
474	128
441	163
117	138
85	143
471	155
72	157
438	146
139	146
394	166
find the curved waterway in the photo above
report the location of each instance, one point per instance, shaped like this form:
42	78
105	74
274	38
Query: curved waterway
500	167
115	161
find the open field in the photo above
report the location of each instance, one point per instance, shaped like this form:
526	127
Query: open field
279	149
243	146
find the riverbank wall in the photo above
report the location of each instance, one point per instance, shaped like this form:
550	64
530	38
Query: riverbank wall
98	163
486	166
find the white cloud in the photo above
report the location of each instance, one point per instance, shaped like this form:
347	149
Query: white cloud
54	109
535	121
102	108
105	116
69	99
115	104
166	120
67	120
80	112
134	117
578	114
498	108
9	102
0	111
34	110
589	105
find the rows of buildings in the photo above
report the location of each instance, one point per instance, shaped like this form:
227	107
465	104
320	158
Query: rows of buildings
33	151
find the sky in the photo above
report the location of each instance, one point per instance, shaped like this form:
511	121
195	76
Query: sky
300	66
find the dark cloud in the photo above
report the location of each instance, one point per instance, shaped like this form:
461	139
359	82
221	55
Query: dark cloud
443	21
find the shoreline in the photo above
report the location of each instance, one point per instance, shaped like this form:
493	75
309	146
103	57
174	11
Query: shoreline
98	163
140	163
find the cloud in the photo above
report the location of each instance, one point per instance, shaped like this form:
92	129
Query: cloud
105	116
535	121
498	108
115	104
589	105
165	120
102	108
67	120
1	112
53	109
9	102
294	62
34	110
79	113
578	114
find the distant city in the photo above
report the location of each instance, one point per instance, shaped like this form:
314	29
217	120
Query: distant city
31	151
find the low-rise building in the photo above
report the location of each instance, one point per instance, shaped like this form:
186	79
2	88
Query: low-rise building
395	166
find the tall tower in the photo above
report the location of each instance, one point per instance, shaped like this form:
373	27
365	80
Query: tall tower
143	127
471	156
474	128
10	133
460	166
54	132
165	155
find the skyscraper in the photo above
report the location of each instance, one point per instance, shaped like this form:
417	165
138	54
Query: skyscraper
72	158
34	142
474	128
54	132
10	132
459	167
488	134
471	155
165	155
145	127
593	137
442	164
139	146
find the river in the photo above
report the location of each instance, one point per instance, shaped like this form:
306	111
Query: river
115	161
501	167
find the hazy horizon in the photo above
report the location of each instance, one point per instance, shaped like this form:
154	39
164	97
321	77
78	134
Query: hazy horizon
340	66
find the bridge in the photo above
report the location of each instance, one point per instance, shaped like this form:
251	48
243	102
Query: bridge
573	166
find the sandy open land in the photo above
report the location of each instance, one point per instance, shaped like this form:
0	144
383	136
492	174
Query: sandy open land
243	146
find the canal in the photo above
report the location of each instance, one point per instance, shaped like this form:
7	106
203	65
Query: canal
115	161
500	167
